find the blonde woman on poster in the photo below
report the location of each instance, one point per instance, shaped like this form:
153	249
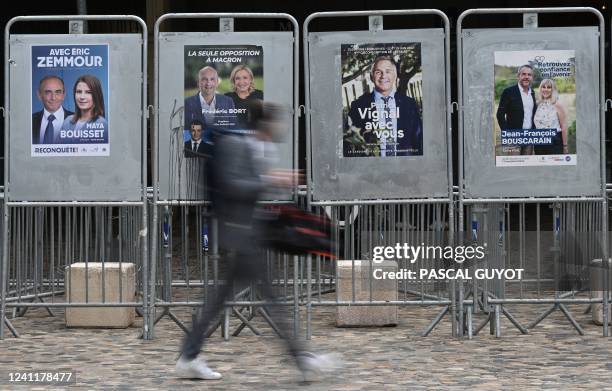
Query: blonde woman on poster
551	114
243	90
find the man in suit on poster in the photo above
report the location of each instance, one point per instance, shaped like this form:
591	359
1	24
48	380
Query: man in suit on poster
386	118
196	147
212	109
45	123
517	105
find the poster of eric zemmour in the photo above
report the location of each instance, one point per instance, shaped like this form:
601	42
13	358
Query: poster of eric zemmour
70	100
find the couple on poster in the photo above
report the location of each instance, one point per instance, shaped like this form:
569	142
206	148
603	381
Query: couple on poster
534	111
519	109
53	121
225	86
69	100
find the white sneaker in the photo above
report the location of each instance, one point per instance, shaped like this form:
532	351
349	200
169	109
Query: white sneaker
195	369
313	365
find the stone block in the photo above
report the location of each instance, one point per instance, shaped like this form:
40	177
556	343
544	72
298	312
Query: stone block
85	282
382	290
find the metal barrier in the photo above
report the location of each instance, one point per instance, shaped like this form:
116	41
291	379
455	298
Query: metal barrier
185	256
489	222
359	229
41	237
190	270
45	240
364	224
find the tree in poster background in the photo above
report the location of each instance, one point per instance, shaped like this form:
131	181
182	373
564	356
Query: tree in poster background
358	64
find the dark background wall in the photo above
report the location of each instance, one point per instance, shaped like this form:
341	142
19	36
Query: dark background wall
151	10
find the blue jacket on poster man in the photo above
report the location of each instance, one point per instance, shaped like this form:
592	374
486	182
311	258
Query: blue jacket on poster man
214	110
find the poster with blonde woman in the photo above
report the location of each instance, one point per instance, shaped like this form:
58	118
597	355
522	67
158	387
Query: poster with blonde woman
535	108
219	83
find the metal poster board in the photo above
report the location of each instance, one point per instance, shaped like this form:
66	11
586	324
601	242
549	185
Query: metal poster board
219	64
75	123
531	112
378	124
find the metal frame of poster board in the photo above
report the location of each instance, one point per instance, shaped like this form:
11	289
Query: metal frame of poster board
376	207
226	26
75	207
481	206
433	191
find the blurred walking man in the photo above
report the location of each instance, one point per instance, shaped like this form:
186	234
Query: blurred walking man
239	177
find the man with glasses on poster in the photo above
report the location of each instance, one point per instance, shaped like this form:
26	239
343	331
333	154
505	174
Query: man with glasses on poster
45	123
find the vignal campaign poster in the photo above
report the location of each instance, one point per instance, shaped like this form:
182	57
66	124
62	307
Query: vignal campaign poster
220	81
70	95
535	108
382	98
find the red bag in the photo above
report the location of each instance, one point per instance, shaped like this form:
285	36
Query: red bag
292	230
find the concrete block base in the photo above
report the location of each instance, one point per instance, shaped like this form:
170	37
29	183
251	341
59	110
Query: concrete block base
383	289
85	282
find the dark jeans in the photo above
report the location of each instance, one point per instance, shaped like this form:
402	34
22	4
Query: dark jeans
244	267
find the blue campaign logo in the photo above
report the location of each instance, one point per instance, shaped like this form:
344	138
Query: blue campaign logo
568	158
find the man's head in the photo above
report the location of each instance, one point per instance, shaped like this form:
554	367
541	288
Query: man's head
196	129
208	80
51	92
525	76
384	74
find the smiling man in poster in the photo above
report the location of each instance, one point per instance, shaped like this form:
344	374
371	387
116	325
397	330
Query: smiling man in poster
51	93
517	105
382	94
213	109
387	117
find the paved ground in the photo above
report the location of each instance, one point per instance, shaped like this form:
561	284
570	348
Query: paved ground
553	356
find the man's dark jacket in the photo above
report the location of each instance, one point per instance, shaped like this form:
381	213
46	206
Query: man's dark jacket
409	121
510	111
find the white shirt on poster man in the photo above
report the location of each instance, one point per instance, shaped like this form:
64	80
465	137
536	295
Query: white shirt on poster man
208	110
527	107
384	119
